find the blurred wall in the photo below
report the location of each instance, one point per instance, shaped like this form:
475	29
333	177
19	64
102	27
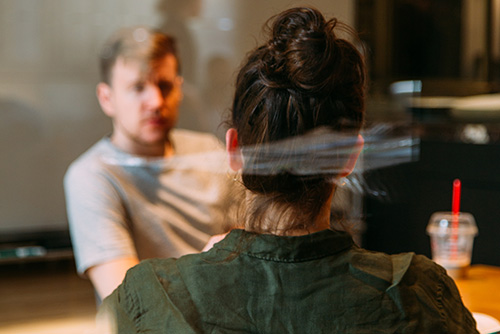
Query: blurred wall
48	71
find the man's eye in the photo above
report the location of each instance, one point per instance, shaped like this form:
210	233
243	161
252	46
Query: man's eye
165	87
139	87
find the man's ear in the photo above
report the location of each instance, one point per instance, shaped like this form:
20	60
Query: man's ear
233	150
104	93
179	81
351	162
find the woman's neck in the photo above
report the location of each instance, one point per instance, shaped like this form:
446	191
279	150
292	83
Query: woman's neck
275	221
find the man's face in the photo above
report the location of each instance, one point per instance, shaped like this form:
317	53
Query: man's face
143	104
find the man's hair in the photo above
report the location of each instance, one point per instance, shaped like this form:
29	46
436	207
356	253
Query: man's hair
140	43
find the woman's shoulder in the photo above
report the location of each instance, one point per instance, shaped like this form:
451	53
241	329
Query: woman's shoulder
151	269
168	272
429	294
149	283
149	300
408	273
395	264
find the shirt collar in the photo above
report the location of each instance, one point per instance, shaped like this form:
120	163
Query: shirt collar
286	248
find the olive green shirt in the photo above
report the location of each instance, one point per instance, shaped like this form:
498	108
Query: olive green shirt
318	283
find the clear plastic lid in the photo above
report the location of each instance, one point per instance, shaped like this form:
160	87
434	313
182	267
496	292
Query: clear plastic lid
442	223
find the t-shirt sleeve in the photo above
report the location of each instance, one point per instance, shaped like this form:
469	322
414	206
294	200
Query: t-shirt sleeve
97	217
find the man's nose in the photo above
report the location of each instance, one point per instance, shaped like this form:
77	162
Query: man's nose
154	97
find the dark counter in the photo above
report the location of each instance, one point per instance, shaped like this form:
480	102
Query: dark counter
448	150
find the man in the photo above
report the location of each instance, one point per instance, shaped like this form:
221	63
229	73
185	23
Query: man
145	191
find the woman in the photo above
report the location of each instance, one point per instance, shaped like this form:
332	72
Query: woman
297	111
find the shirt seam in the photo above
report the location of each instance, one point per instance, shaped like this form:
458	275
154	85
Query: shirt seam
302	259
439	298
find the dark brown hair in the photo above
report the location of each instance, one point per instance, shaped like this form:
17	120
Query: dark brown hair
303	78
139	43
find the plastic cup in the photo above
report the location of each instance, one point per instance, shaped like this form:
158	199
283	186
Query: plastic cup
452	237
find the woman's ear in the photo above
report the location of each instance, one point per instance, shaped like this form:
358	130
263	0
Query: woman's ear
233	150
353	158
104	93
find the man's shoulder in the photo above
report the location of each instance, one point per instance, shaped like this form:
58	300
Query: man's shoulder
89	161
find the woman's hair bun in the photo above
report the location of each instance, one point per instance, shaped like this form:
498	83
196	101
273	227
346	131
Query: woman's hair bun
304	78
302	51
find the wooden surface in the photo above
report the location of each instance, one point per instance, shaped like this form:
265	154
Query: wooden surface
45	298
480	290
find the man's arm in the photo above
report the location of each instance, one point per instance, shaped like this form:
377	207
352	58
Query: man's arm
104	249
213	240
107	276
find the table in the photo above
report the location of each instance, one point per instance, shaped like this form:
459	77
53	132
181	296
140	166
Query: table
480	290
45	298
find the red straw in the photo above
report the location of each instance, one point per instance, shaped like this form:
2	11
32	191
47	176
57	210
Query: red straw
455	210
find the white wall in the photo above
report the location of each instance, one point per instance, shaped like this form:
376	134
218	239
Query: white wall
48	72
48	111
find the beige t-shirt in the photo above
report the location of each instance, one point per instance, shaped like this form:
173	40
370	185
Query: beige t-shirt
120	205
